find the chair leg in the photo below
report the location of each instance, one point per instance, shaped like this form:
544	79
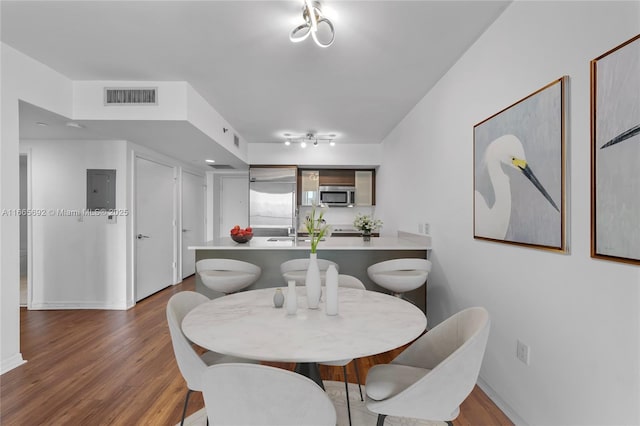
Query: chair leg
381	418
355	364
346	387
186	402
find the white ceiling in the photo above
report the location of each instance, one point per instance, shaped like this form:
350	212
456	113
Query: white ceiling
237	55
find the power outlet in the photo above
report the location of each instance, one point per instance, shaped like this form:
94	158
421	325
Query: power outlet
522	352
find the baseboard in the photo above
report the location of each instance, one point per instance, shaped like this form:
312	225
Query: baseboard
11	363
78	305
500	403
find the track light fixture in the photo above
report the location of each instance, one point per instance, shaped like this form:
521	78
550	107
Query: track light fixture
313	17
307	138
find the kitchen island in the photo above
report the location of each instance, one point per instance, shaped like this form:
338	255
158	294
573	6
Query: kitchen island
352	254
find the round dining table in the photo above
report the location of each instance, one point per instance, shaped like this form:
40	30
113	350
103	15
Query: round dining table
248	325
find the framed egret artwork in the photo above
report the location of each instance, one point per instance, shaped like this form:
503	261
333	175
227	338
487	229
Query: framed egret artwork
519	171
615	154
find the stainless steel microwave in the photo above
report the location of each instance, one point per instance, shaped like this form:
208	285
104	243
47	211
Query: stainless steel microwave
344	196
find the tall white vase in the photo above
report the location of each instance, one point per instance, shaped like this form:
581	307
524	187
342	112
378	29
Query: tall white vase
331	286
292	298
312	282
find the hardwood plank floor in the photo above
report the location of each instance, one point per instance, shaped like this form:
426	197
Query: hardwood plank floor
88	367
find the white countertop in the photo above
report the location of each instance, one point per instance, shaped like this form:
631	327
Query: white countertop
404	241
246	324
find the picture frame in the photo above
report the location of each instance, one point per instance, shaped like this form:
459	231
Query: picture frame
519	171
615	153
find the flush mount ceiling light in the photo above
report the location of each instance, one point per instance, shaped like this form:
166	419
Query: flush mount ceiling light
309	137
313	17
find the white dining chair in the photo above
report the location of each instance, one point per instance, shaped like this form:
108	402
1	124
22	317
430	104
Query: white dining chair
296	269
259	395
191	365
435	374
348	281
400	275
227	275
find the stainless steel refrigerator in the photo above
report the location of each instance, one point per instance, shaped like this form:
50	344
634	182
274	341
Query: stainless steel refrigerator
272	200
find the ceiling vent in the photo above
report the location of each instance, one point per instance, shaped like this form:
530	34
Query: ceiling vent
131	96
221	166
236	140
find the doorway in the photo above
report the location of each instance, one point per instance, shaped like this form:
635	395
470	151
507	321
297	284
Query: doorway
155	235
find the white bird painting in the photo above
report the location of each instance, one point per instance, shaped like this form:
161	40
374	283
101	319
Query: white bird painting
493	221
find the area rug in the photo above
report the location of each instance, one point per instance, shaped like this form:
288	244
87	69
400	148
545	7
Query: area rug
360	416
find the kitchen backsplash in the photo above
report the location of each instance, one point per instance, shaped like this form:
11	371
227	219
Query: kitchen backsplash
337	215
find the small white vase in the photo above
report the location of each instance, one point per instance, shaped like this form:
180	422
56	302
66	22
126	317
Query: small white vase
312	282
278	298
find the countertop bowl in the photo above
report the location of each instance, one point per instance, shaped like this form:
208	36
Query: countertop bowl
241	239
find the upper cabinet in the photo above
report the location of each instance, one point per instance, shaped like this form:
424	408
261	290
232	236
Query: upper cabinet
365	195
337	177
309	185
310	181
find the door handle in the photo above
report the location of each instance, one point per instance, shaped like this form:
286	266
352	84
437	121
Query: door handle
185	230
140	236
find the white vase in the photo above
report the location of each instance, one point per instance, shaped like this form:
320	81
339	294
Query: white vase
278	298
312	282
292	298
331	286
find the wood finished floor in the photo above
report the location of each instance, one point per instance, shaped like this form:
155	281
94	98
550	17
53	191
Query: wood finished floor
88	367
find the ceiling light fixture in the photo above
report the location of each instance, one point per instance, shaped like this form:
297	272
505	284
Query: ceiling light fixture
309	137
313	17
209	161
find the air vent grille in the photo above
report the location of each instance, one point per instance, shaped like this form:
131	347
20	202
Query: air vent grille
131	96
236	140
221	166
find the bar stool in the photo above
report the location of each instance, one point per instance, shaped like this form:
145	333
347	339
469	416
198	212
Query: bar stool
296	269
227	275
400	275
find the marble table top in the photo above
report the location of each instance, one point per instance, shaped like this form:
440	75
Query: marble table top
247	325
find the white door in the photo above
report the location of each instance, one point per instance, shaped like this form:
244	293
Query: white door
192	219
155	229
234	203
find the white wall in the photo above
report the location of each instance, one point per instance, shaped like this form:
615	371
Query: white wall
78	261
203	116
20	78
578	315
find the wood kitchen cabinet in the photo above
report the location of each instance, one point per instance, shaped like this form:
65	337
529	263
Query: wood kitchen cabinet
337	177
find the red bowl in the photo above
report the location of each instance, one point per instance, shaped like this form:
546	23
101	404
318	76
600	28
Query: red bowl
241	239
